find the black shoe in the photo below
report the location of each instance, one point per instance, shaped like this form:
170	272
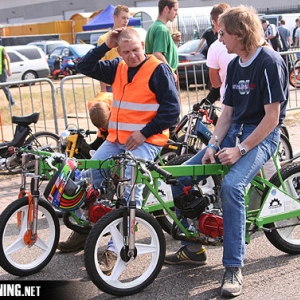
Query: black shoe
184	256
232	282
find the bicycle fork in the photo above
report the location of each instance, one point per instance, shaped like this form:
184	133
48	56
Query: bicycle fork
129	251
30	235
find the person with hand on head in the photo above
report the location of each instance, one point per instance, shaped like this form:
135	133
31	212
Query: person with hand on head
248	132
4	72
159	41
145	104
121	18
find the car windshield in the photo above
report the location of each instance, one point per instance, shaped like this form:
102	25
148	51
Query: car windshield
82	49
51	47
191	46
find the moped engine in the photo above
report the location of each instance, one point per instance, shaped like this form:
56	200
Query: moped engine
211	225
99	209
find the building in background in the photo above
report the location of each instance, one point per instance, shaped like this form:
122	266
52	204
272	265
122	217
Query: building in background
31	11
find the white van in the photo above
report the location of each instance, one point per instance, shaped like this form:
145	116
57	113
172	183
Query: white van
27	62
49	46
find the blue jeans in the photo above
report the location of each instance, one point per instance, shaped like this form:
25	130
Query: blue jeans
145	150
3	78
232	189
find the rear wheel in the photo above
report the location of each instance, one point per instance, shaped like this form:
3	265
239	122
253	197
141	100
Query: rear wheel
285	234
46	141
295	77
30	75
285	151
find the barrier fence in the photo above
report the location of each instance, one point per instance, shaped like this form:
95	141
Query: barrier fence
64	103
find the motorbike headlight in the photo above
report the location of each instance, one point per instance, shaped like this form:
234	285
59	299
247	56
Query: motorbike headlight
64	135
63	140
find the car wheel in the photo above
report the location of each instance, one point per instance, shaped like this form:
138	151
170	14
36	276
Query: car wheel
29	75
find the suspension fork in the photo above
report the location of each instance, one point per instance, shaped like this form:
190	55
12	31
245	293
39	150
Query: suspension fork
129	211
184	149
30	236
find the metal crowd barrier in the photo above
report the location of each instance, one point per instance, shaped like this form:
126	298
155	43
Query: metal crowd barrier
64	103
36	95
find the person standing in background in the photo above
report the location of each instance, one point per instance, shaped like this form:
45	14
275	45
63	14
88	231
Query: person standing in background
217	56
272	35
209	36
297	35
121	18
159	41
294	31
285	35
176	36
4	72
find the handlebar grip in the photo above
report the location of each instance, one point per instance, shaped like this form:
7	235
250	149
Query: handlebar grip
88	132
159	170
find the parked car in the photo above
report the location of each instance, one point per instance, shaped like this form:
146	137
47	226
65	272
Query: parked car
187	77
49	46
76	51
27	62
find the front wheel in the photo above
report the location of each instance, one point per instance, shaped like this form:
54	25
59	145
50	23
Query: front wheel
285	234
18	257
295	77
132	274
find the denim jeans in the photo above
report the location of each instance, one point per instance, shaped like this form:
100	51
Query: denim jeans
232	189
145	150
9	97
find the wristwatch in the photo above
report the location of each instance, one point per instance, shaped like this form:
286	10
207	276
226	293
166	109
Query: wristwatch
242	150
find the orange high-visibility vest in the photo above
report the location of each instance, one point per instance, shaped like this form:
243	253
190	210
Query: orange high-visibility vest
134	104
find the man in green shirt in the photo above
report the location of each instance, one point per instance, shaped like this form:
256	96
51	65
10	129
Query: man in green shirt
159	41
4	72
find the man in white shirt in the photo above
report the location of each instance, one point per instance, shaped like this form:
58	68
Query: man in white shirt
217	55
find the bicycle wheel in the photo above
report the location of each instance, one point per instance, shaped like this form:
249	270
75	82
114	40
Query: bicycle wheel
207	186
46	141
295	77
128	276
16	257
285	234
285	151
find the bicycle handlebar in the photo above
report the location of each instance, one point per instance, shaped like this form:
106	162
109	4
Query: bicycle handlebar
150	165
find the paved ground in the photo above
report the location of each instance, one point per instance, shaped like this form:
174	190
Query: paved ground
268	273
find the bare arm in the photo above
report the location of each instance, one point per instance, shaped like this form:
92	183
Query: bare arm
215	77
198	47
160	56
